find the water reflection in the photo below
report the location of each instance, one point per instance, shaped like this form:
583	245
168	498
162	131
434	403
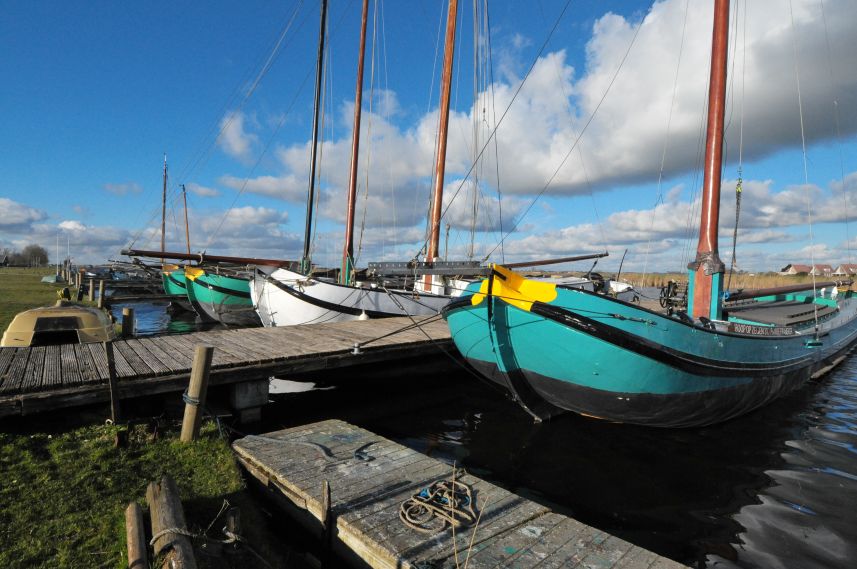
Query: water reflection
158	317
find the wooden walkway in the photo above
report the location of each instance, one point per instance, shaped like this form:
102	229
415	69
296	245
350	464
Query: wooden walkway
44	378
370	477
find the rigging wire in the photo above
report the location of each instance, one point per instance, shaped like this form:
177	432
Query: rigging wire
739	186
838	134
660	197
494	117
369	133
269	142
210	140
805	167
582	131
326	101
502	117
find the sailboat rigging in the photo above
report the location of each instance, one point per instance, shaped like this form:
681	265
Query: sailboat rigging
555	348
283	297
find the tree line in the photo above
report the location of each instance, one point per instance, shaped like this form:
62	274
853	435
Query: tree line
29	256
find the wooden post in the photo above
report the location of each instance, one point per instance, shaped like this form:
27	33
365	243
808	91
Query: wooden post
135	532
111	380
101	294
91	290
168	522
326	532
196	392
127	322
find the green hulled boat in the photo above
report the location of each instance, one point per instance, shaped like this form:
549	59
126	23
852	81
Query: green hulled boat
220	297
175	285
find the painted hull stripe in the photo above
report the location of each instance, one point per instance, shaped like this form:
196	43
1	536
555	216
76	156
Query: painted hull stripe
176	282
333	307
684	361
221	290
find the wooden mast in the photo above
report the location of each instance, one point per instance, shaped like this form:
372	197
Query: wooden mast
440	165
164	208
306	263
706	272
348	249
186	226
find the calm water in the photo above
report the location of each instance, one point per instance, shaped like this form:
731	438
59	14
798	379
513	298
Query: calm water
156	318
776	488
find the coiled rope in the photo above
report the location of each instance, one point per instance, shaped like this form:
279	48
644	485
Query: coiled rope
444	502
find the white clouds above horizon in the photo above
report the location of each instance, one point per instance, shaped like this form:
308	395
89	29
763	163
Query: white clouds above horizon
123	189
626	139
234	139
15	217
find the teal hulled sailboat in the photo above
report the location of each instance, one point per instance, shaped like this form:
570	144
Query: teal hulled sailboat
556	348
220	297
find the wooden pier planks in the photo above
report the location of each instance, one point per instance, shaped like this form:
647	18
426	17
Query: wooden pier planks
371	476
51	374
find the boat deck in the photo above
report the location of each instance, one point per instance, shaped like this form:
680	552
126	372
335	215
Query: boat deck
50	377
782	313
370	477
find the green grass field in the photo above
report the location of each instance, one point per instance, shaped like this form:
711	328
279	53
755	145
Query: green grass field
22	289
63	494
64	486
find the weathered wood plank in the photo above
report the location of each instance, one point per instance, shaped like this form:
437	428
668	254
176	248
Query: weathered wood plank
123	366
70	367
35	367
6	356
152	355
16	370
99	361
87	365
52	374
180	358
139	368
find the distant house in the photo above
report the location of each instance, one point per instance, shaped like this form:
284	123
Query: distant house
846	269
795	269
821	270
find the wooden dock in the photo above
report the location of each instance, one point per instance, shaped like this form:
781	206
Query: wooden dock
370	477
44	378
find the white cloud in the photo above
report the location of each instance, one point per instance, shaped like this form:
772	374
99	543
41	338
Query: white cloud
287	187
234	139
123	189
202	191
17	217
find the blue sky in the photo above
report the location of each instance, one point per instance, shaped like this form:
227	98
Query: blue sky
97	92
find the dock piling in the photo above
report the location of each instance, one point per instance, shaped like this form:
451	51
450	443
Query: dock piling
91	290
326	525
100	294
127	322
169	529
111	380
135	532
196	392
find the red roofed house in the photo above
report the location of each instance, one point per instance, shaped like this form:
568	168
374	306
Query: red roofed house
795	269
821	270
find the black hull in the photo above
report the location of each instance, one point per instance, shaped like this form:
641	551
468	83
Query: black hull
651	410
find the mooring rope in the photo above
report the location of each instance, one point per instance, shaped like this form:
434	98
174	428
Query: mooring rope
447	501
